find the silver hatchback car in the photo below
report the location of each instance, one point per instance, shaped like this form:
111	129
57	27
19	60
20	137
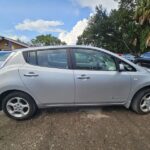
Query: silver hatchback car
70	76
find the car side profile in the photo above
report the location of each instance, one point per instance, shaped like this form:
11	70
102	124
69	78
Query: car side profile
60	76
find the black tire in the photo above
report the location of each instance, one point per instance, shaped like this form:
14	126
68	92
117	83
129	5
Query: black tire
31	103
136	102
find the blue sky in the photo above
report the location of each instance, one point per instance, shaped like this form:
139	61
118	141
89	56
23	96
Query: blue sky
65	19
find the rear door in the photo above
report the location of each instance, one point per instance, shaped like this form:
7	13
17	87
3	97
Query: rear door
48	77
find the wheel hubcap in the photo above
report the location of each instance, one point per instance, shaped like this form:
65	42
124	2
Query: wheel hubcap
18	107
145	103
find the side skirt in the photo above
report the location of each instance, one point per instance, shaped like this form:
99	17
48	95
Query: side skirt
77	105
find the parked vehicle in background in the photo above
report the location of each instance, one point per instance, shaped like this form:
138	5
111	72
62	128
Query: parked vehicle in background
3	56
71	76
143	60
119	54
129	57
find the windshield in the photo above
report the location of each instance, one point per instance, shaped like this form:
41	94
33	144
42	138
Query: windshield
4	55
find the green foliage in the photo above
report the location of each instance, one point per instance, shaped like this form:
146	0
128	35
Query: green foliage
46	40
117	31
142	14
143	38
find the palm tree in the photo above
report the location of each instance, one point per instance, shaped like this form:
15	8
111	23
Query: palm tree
148	41
142	14
142	17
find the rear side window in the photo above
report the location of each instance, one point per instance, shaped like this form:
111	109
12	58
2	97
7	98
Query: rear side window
52	59
48	58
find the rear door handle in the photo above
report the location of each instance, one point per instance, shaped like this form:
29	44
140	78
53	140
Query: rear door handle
31	74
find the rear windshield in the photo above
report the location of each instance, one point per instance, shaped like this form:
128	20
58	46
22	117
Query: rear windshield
4	55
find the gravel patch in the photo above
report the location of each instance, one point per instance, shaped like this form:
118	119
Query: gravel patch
96	128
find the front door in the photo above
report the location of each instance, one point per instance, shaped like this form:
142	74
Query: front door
97	79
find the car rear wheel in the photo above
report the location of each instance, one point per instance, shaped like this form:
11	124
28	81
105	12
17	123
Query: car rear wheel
19	106
141	102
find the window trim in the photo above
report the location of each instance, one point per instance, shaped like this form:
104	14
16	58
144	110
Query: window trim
74	60
26	55
71	59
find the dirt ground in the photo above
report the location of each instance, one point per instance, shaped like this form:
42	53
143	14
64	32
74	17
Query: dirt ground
96	128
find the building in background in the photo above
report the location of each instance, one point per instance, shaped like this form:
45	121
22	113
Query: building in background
7	44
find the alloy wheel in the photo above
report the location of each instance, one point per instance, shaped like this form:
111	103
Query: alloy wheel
18	107
145	103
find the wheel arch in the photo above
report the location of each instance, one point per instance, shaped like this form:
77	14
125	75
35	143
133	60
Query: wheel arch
5	93
134	95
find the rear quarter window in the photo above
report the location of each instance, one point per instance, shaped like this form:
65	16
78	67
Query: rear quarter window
30	57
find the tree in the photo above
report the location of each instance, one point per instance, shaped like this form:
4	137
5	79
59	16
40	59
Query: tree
45	40
130	31
119	31
93	31
107	31
142	13
142	17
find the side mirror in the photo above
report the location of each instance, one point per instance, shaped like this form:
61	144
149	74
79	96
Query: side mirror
121	67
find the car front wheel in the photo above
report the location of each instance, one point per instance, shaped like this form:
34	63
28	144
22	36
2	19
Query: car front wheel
141	102
19	106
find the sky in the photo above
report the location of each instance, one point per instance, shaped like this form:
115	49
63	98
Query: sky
65	19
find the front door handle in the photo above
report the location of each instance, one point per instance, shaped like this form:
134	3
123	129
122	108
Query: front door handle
82	77
31	74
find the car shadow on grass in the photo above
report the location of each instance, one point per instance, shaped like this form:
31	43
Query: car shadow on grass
69	110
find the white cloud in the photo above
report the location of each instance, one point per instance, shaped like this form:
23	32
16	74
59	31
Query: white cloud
77	30
107	4
22	38
71	37
39	25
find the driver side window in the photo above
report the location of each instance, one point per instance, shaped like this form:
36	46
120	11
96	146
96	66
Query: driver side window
93	60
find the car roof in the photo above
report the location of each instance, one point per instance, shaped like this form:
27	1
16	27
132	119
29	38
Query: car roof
71	47
65	46
56	47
